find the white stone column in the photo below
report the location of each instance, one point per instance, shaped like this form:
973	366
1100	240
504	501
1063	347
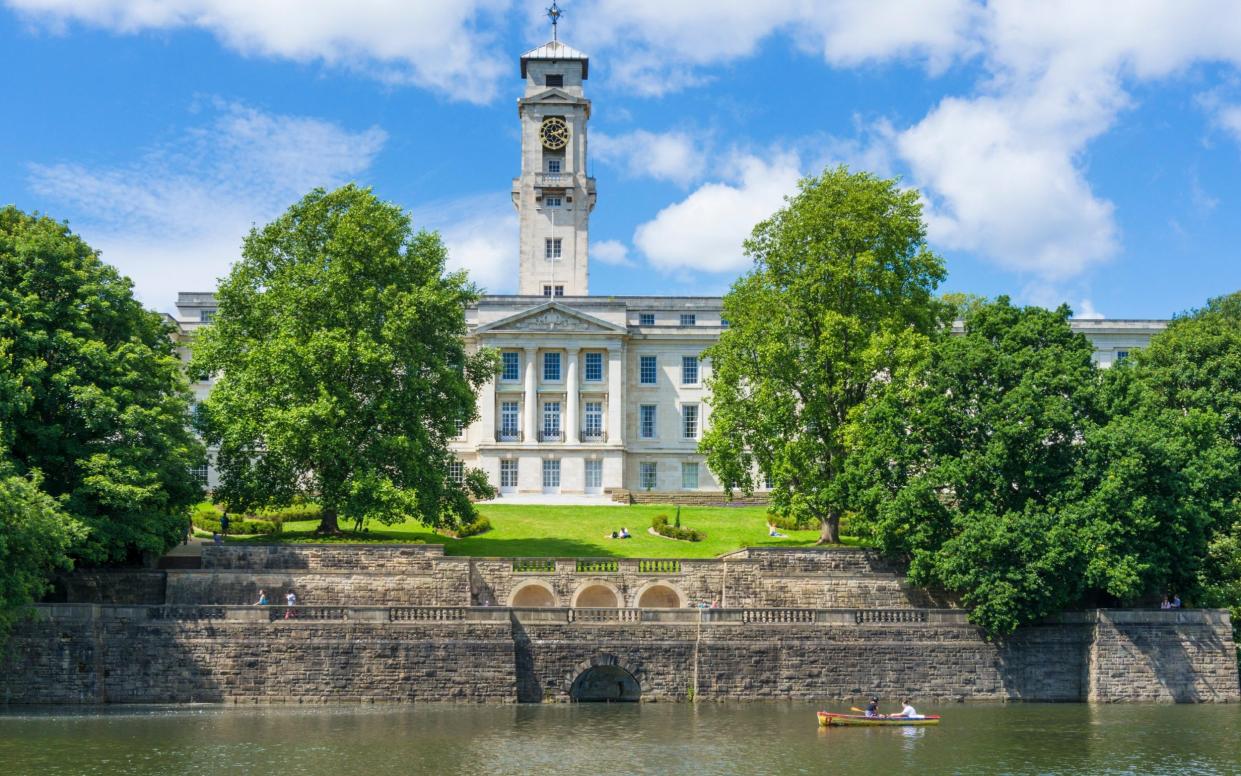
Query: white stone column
616	394
532	398
571	398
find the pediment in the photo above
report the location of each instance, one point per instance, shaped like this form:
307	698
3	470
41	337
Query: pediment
553	95
552	318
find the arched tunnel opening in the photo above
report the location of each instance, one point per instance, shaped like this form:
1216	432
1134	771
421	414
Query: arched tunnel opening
605	684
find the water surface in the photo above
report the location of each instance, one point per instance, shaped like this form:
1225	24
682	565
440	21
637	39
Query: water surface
750	738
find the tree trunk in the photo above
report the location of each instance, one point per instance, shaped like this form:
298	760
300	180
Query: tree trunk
829	529
327	522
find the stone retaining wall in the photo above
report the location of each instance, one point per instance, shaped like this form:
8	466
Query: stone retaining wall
100	654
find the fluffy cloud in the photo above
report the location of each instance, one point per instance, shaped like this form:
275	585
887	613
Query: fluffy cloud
611	252
174	219
670	156
483	243
440	45
704	231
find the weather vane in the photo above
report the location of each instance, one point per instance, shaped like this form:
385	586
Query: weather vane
554	13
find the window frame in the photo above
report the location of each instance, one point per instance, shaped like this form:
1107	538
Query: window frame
643	361
686	467
508	469
648	475
588	357
551	466
686	362
646	319
510	410
559	376
690	414
553	248
648	427
552	202
456	471
589	428
504	365
689	319
552	412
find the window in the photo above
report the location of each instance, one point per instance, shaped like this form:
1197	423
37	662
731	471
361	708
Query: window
690	417
689	370
551	473
551	367
456	472
551	249
511	361
508	473
689	475
594	419
559	290
555	79
508	420
200	473
646	421
646	475
646	370
459	428
547	291
689	319
723	323
594	367
551	420
206	316
594	475
551	201
553	166
767	483
1121	355
646	319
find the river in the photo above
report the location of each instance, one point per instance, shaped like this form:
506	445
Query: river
749	738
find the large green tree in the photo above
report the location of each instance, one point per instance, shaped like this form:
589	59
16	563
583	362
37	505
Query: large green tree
841	291
340	363
963	461
93	396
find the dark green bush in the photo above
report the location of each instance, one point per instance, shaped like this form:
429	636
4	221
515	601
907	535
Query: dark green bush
206	517
661	526
476	526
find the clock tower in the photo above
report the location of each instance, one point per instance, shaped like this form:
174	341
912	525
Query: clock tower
553	195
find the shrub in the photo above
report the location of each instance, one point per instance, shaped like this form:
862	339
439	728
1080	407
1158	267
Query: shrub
476	526
206	517
661	526
785	523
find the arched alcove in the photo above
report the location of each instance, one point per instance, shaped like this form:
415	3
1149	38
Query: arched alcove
600	595
660	595
531	594
605	684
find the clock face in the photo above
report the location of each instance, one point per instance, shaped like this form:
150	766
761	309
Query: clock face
554	133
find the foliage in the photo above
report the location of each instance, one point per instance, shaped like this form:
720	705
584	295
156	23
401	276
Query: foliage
965	463
478	525
93	396
840	293
339	349
206	517
661	526
35	539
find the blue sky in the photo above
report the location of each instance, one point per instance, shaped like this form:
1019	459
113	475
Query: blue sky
1066	151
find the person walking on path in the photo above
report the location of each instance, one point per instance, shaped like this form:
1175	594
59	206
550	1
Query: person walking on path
262	599
224	524
291	598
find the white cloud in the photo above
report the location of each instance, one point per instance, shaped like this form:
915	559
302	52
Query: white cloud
174	219
704	232
1085	309
669	156
611	252
483	241
443	45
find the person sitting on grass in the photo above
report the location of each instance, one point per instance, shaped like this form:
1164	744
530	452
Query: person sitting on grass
773	533
624	534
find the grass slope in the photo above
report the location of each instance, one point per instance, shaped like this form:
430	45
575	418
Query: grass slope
520	530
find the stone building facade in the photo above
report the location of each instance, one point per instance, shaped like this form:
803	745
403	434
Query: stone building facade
597	393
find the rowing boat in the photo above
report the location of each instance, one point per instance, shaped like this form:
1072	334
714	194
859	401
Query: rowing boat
830	719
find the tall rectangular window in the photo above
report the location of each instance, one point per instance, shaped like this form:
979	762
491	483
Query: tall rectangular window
456	471
594	368
551	420
551	248
689	319
508	473
646	370
646	319
690	417
551	473
689	370
689	475
594	419
551	367
559	291
206	316
511	361
1121	355
508	420
200	473
553	166
594	475
647	475
646	421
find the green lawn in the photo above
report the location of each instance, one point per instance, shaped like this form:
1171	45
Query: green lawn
577	531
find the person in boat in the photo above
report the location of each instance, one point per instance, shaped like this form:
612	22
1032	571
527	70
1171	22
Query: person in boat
872	708
907	711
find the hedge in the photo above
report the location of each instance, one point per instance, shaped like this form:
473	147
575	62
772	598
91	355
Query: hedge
661	526
206	517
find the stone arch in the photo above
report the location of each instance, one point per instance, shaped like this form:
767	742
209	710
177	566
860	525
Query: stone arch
603	679
597	593
532	593
659	594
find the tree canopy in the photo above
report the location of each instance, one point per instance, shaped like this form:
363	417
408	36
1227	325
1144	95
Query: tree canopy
840	291
93	397
340	364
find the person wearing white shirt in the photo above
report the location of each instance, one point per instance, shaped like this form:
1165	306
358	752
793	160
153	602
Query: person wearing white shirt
907	711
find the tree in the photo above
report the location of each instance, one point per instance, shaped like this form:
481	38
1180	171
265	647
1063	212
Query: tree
342	373
841	289
963	464
35	539
93	396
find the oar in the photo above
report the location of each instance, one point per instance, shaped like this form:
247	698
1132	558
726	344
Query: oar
855	708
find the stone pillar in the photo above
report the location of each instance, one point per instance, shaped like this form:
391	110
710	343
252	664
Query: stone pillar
530	412
616	394
571	398
488	428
